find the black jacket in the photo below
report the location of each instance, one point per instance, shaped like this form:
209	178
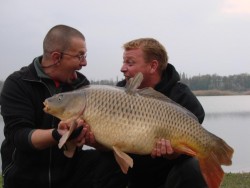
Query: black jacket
22	106
149	172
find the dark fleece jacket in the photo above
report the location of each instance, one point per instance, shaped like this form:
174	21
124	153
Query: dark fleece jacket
22	109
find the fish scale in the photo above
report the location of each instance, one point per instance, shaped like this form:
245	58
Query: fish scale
105	116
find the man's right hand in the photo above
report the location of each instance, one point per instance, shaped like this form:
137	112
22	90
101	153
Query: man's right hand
163	148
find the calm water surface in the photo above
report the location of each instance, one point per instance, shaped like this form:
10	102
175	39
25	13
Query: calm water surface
229	118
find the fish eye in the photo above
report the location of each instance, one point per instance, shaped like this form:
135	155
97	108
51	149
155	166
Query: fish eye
60	97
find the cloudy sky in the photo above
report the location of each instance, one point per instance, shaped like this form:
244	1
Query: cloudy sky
201	37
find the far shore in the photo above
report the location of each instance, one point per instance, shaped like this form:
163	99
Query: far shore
219	93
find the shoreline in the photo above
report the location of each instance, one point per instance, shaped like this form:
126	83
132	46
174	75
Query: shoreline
219	92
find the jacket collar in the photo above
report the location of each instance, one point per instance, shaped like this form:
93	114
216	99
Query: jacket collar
34	72
169	78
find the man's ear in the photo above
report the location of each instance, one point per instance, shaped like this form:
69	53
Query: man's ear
56	57
154	66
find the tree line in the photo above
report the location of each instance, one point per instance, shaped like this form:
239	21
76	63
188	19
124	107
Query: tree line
238	83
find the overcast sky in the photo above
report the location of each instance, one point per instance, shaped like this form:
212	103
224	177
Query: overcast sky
201	37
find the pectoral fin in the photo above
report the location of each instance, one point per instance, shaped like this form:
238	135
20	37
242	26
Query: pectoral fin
123	159
65	137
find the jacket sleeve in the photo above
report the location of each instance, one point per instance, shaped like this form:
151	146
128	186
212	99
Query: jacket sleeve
18	113
185	97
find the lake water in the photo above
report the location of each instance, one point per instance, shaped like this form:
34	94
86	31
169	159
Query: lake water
229	118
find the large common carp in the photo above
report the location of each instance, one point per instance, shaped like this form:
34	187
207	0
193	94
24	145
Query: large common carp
131	120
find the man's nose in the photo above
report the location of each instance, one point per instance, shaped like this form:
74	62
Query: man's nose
124	68
83	63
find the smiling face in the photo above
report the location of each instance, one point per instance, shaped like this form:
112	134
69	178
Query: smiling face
145	55
134	62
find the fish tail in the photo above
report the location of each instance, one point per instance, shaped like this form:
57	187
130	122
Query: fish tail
220	154
211	171
222	151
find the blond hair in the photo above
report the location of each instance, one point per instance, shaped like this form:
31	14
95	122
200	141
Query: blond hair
152	50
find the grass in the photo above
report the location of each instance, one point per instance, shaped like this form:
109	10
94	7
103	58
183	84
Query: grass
236	180
231	180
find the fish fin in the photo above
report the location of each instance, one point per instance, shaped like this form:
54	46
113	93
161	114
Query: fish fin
222	151
184	149
65	137
134	83
211	171
221	154
123	159
151	93
70	149
73	122
209	165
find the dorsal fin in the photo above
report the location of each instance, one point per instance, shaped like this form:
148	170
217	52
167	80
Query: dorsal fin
151	93
134	83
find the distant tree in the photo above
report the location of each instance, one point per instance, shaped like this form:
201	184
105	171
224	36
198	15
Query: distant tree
103	82
239	82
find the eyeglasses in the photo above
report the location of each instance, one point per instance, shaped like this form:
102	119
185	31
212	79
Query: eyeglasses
81	57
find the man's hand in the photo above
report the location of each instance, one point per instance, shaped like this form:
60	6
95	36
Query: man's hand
81	134
163	148
86	136
90	140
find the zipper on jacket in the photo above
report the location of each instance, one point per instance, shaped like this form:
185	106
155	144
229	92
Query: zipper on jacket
9	166
50	151
52	126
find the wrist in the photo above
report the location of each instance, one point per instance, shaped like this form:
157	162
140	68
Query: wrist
56	135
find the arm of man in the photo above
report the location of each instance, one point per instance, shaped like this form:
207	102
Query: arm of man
42	139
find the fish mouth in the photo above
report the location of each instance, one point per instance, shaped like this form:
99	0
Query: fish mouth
46	106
